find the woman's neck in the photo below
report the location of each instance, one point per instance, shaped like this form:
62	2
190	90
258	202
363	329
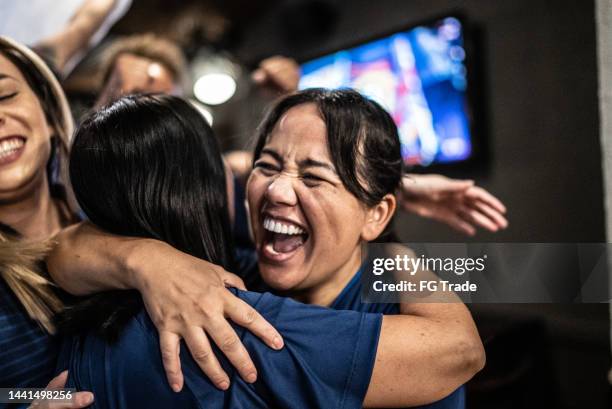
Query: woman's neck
35	216
326	293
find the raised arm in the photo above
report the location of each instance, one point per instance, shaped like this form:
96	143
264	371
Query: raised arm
460	204
75	37
86	260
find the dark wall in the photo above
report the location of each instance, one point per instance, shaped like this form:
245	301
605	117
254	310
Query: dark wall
540	80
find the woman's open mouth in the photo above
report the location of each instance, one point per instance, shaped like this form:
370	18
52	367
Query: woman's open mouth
282	239
11	149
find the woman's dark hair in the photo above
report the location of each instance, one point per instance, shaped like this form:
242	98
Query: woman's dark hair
362	138
150	166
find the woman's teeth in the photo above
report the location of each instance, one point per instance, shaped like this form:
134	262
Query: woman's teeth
9	146
282	228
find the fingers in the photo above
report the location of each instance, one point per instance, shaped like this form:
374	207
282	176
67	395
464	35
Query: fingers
224	336
232	280
280	71
259	76
478	193
450	186
492	214
169	343
202	353
59	381
458	223
478	218
416	208
246	316
79	399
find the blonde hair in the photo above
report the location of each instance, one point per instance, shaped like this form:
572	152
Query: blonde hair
19	267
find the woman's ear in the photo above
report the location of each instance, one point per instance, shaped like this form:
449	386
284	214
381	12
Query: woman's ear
378	216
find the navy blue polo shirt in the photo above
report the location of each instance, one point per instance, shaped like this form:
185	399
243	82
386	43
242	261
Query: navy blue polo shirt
27	352
327	362
350	299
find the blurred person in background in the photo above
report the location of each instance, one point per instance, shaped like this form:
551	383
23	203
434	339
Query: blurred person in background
148	63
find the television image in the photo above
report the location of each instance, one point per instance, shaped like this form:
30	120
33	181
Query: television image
420	77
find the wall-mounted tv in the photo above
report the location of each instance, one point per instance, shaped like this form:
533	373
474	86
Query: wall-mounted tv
420	76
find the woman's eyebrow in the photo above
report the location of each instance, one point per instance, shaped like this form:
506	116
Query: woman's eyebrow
310	163
272	153
3	76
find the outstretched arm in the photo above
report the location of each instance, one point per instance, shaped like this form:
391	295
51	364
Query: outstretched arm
457	203
188	305
75	37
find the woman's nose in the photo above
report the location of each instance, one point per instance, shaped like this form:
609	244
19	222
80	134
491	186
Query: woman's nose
281	191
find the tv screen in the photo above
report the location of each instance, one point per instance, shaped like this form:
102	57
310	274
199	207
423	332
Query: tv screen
420	77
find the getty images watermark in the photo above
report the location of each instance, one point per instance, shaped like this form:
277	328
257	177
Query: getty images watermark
486	272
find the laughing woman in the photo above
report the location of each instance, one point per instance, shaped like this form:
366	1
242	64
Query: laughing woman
421	357
35	127
327	166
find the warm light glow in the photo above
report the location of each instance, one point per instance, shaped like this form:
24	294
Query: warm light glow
214	89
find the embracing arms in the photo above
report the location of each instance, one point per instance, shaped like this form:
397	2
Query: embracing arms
187	305
422	356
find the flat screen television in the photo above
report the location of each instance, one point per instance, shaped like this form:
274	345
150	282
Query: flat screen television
420	75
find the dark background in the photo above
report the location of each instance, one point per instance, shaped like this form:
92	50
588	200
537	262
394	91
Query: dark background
538	77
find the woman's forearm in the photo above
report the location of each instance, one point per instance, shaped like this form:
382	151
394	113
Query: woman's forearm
186	297
86	260
424	356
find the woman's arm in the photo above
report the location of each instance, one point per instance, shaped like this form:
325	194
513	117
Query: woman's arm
420	358
188	305
424	356
457	203
444	346
75	37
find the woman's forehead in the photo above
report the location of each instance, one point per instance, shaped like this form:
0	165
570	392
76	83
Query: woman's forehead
8	70
302	128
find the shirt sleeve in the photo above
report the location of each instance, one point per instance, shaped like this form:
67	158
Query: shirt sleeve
326	362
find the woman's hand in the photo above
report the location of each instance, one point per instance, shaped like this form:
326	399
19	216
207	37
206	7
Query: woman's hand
278	73
79	399
187	298
457	203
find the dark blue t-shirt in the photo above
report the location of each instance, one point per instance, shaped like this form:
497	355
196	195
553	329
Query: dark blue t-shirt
326	363
350	299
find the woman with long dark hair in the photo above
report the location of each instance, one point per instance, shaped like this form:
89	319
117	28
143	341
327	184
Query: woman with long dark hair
148	166
36	202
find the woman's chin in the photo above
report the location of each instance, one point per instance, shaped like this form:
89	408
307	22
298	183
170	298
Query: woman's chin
280	279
